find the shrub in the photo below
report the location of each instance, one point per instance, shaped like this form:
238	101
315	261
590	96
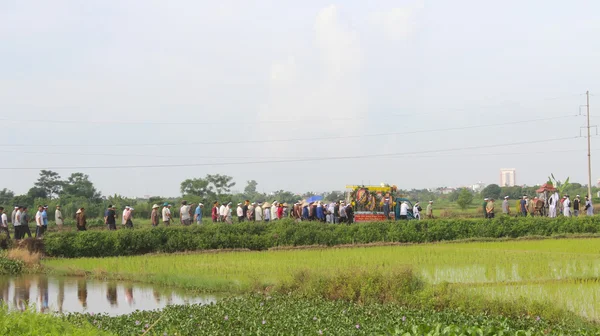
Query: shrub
10	266
262	236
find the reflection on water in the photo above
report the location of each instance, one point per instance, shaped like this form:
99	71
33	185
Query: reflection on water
65	295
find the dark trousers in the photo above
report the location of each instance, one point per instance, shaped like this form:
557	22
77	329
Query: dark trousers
25	231
490	215
240	219
129	224
39	231
111	226
81	228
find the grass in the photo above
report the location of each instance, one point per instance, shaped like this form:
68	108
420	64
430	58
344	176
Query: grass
31	323
479	267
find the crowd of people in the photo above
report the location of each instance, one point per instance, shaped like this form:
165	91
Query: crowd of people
539	207
333	212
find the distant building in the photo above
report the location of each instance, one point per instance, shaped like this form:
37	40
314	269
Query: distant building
507	177
446	191
477	187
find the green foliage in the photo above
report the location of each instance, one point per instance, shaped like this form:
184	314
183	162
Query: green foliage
492	191
50	183
29	323
10	266
291	315
465	198
261	236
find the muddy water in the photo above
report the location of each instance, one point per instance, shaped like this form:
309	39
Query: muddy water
65	295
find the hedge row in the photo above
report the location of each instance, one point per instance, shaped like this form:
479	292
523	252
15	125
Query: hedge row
261	236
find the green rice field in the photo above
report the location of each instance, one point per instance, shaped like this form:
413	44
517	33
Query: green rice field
561	271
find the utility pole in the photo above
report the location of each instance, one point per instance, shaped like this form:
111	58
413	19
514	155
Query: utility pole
587	93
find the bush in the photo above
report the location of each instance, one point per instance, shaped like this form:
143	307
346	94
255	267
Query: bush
262	236
10	266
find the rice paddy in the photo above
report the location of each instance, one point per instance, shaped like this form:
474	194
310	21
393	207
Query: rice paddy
562	271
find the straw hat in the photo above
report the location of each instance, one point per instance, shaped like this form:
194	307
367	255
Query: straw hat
155	206
285	205
267	205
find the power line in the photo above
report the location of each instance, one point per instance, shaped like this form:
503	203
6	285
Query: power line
398	154
305	119
353	136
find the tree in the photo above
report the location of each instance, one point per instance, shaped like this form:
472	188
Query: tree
79	185
334	196
197	187
465	198
492	191
36	192
250	187
6	196
50	182
221	183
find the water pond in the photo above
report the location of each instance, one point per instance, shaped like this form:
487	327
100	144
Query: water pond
67	295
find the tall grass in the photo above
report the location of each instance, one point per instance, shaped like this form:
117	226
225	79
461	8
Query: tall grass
30	323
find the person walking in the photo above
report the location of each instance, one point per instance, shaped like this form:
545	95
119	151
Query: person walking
576	205
267	212
17	224
386	207
567	206
531	206
58	218
198	213
589	208
350	213
429	210
343	215
250	213
404	211
129	218
274	210
81	220
523	206
552	203
25	223
166	214
111	218
184	213
44	219
305	212
484	205
240	212
39	222
4	222
13	214
490	208
505	206
222	213
320	212
245	209
228	214
154	215
258	213
214	212
280	211
417	211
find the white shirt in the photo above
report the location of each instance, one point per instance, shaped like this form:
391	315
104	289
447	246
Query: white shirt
184	212
38	219
58	217
273	212
267	214
223	211
166	214
17	221
240	211
416	210
4	220
228	212
403	209
123	218
258	213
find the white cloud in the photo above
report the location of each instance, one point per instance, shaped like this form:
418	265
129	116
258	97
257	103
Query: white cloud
397	23
319	82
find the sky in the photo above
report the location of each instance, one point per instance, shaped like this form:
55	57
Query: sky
298	95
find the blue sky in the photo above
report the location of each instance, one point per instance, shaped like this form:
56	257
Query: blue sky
89	84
